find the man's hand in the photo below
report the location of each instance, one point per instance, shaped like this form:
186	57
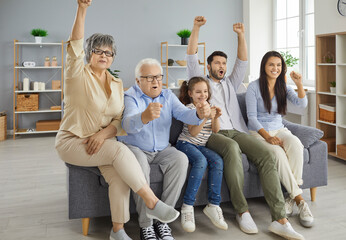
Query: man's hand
199	21
152	112
296	77
84	3
203	110
94	143
274	141
239	28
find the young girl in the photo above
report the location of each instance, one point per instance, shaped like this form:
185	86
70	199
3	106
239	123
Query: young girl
192	142
266	102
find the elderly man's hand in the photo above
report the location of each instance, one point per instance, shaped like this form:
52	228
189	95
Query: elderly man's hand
84	3
152	112
203	110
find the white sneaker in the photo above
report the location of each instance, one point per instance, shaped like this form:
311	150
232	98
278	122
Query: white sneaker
285	231
289	203
305	216
246	223
188	219
214	213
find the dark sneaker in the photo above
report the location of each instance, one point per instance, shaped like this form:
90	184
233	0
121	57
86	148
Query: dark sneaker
163	231
148	233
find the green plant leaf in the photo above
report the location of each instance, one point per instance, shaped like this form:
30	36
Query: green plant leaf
114	72
38	32
185	33
289	59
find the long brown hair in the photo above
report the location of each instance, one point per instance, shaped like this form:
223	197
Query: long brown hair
188	86
280	89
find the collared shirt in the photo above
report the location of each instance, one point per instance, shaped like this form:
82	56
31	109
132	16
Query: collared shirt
258	114
89	106
153	136
226	100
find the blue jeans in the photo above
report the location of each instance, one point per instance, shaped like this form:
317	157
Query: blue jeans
200	157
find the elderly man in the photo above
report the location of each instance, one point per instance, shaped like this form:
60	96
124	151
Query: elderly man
147	119
233	140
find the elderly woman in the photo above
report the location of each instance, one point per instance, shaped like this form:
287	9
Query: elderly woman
92	118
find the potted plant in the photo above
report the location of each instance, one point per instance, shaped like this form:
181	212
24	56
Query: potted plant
290	62
184	35
332	87
39	33
170	62
114	72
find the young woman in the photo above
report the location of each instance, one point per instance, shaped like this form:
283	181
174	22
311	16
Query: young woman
192	142
266	103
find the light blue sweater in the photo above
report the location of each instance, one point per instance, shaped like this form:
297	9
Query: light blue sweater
258	116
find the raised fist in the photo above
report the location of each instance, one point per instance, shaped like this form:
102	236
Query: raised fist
84	3
199	21
239	28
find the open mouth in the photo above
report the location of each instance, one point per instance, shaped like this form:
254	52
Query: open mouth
221	72
155	87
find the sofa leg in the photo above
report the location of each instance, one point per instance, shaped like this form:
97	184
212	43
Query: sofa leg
313	193
85	225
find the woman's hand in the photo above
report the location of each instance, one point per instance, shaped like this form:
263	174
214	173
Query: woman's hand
274	141
297	78
94	143
84	3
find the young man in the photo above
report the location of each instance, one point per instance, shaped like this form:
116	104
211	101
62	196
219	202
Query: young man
233	140
147	119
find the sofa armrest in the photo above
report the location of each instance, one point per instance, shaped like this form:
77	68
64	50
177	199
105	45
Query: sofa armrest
307	135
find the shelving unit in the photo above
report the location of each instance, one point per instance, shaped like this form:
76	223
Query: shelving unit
20	71
325	73
180	52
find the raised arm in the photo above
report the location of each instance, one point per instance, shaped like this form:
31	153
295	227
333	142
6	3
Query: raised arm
193	41
79	22
242	47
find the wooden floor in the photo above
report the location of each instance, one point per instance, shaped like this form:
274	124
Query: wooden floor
33	202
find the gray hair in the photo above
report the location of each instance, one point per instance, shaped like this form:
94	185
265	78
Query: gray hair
146	61
98	40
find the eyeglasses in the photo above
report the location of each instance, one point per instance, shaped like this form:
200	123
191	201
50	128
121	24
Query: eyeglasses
100	52
152	78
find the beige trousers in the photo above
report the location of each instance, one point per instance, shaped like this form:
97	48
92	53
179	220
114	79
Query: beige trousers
117	164
290	159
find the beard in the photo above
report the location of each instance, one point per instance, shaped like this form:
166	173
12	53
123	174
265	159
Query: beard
215	74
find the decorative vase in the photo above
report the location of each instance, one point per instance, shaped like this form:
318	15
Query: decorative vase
332	89
38	39
184	41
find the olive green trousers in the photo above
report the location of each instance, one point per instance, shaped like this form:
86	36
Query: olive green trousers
230	144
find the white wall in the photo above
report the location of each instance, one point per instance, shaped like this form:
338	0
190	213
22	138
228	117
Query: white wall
327	17
258	19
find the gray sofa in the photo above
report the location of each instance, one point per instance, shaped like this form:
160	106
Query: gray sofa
88	191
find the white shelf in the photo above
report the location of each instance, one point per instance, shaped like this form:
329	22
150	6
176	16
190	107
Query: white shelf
39	67
326	64
342	126
32	91
38	44
341	95
179	45
328	123
327	93
40	111
341	64
202	66
35	132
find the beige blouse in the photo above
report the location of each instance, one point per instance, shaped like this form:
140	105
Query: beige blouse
88	105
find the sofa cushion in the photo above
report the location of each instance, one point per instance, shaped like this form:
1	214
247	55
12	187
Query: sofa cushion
307	135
